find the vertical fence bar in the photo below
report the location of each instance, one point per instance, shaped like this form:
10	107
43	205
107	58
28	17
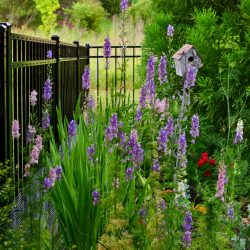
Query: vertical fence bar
115	75
57	80
3	68
77	68
133	75
97	73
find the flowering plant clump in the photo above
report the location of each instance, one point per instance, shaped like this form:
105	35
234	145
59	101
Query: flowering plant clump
204	162
55	174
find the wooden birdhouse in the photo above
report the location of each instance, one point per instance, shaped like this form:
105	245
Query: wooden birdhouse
186	55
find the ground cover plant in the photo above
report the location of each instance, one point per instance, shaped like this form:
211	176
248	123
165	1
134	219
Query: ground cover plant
138	175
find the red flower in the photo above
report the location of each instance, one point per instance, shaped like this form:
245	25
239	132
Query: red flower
207	173
212	162
204	159
200	163
205	154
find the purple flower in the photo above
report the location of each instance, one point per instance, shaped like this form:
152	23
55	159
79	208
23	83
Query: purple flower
187	225
47	90
47	184
230	212
221	183
34	155
33	98
39	142
45	121
58	172
134	149
195	126
163	140
26	170
91	102
49	54
162	205
138	115
86	79
170	30
190	77
162	70
160	105
95	197
124	5
123	139
143	96
107	50
91	152
239	132
30	134
170	126
15	129
72	128
182	146
129	174
150	78
156	165
111	131
143	213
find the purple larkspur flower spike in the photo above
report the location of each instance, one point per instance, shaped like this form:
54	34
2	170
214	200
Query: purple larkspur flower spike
15	129
95	197
86	79
195	127
33	98
162	70
124	5
239	132
187	225
47	90
170	30
49	54
72	128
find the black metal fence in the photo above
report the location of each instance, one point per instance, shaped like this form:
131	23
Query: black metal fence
23	68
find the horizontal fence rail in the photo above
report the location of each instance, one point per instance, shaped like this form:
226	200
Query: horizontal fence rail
24	66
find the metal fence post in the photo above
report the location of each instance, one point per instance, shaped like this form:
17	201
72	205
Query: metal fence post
87	46
77	68
5	92
57	73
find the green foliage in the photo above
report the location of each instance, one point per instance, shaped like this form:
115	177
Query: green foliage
47	10
141	10
18	12
111	6
88	14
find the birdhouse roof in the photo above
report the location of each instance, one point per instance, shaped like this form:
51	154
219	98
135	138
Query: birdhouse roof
182	51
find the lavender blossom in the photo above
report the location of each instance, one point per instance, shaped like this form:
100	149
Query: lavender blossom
230	212
45	121
15	129
134	149
221	183
91	102
107	51
170	30
26	170
160	105
58	172
163	140
47	184
39	142
30	134
72	128
143	213
111	131
150	78
195	127
91	152
52	176
86	79
162	205
239	132
190	77
95	197
124	5
138	115
187	225
47	90
34	155
156	165
182	146
129	174
33	98
170	126
162	70
143	96
49	54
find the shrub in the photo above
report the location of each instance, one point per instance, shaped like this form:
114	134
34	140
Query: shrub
87	15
